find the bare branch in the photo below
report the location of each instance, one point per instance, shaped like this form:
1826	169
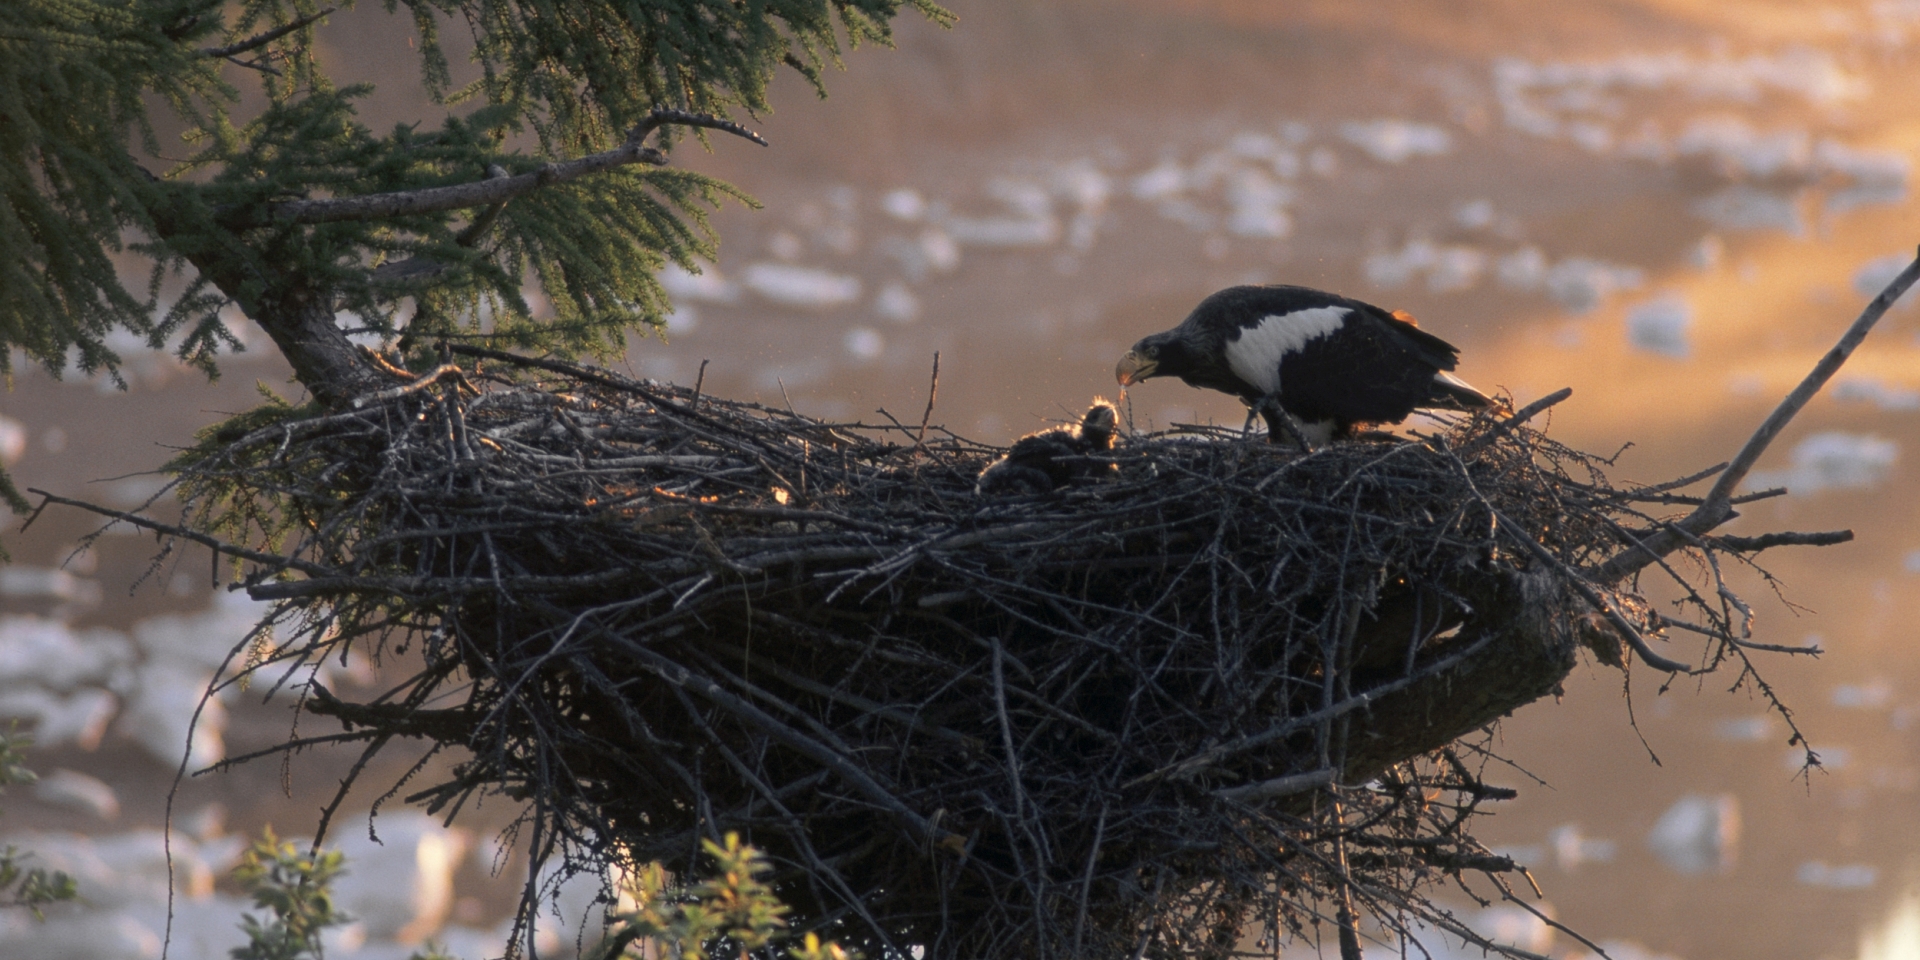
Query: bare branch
493	190
1717	507
219	546
1278	787
1521	416
259	40
1785	539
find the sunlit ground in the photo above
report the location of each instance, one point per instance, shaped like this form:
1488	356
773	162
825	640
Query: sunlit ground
1672	208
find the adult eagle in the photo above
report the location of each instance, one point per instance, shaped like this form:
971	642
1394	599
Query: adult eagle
1331	362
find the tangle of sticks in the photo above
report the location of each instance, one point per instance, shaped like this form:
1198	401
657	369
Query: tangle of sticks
1212	701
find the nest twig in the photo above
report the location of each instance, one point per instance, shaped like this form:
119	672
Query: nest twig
1137	717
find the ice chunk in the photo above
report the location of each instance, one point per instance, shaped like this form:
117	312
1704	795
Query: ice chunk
1580	284
204	639
79	718
865	343
1523	269
1744	729
1698	833
1846	876
897	303
1474	214
47	653
1455	268
1004	232
1660	326
28	582
400	888
1739	149
1162	182
805	287
1259	206
13	440
1253	145
77	791
1872	695
1389	269
1397	141
125	869
160	715
1832	460
1877	167
1083	185
1571	847
706	286
1742	207
941	252
904	204
1026	198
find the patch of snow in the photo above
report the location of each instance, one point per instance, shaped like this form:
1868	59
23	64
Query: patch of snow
1163	182
1699	833
865	343
1872	695
1004	232
44	653
1846	876
401	888
1744	729
1397	141
1875	391
1832	460
79	718
23	582
706	286
1572	848
1523	269
1739	150
1659	326
896	303
904	204
1580	284
77	791
1474	214
804	287
1741	207
160	714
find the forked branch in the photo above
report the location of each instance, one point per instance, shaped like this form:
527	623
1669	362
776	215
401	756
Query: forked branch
1717	507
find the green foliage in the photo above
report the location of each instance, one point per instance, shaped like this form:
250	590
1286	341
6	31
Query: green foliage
730	911
292	886
85	182
733	911
21	886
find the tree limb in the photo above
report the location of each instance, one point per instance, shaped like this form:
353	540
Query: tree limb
259	40
1717	507
493	190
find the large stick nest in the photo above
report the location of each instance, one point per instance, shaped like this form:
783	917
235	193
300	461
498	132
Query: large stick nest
1147	715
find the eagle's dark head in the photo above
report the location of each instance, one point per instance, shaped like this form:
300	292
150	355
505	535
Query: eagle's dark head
1181	352
1160	355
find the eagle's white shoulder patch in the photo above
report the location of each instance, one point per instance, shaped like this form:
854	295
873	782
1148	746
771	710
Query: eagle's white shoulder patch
1256	353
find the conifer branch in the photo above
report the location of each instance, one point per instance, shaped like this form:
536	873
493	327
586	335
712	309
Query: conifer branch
493	190
259	40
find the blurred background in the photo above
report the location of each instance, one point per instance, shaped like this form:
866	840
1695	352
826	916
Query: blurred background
1671	206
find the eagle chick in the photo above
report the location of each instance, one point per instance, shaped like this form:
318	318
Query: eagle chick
1050	459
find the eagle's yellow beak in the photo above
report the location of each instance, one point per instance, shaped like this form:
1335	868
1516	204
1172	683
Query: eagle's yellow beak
1133	368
